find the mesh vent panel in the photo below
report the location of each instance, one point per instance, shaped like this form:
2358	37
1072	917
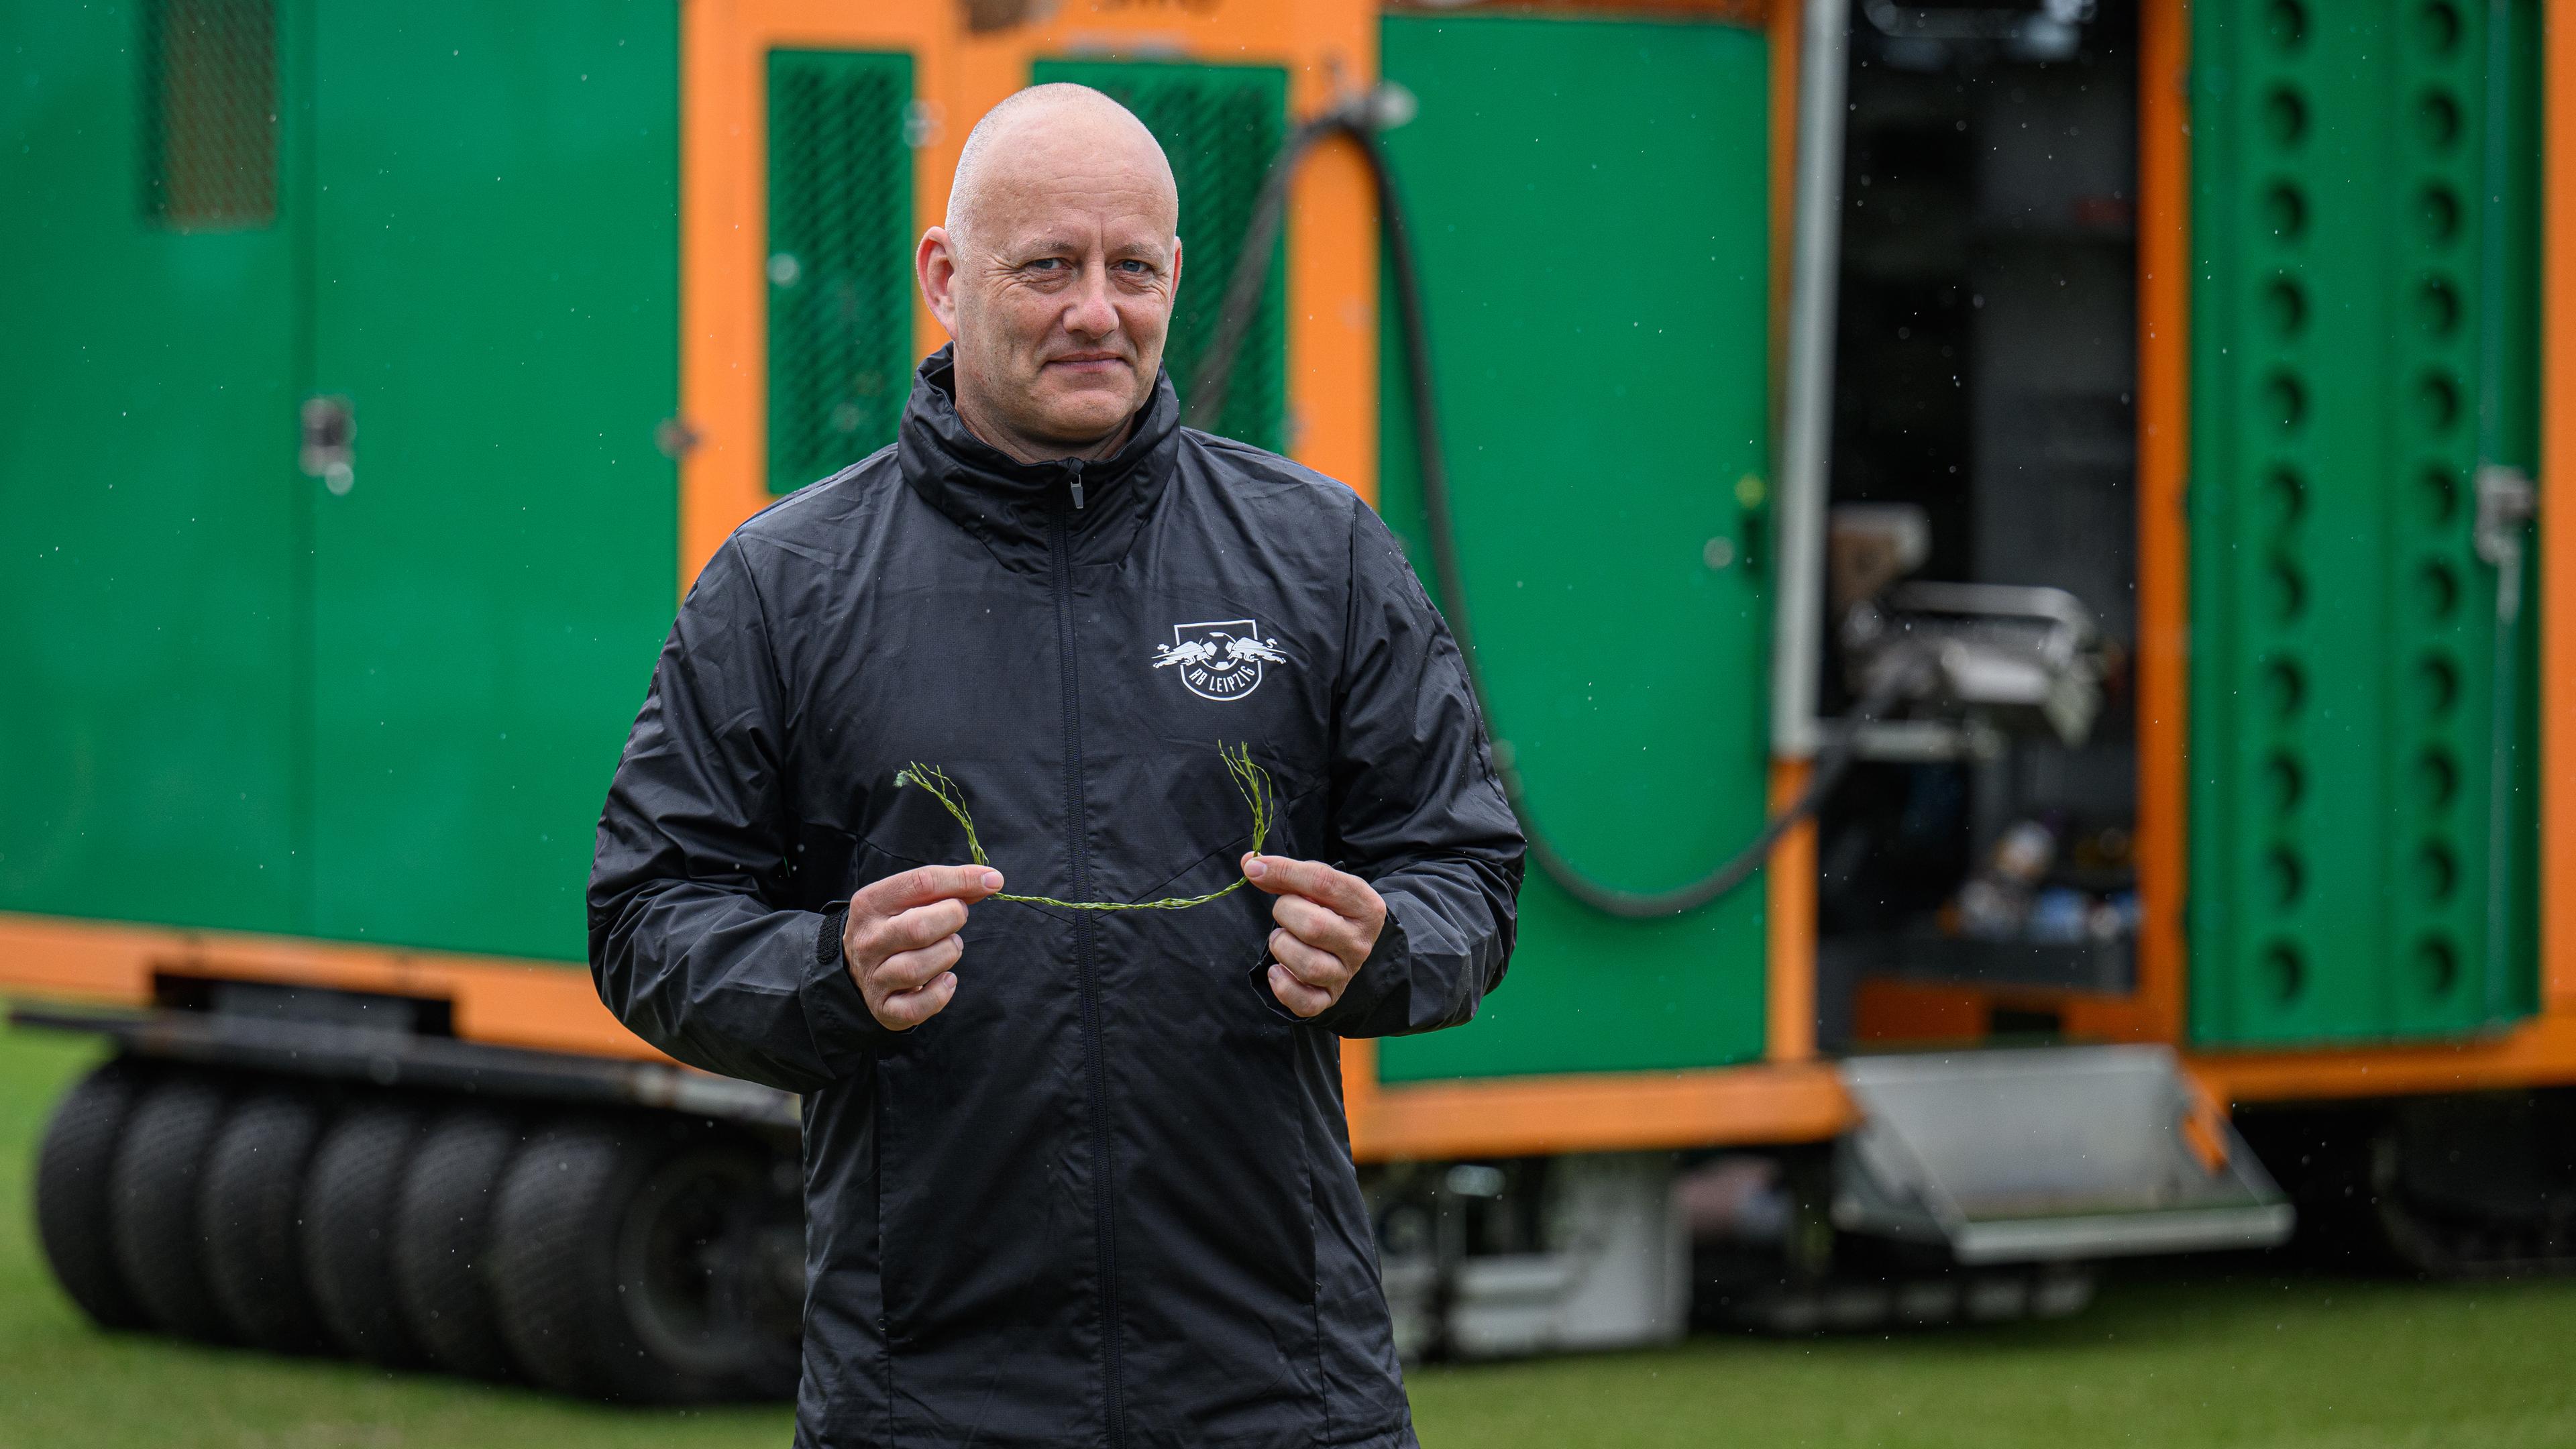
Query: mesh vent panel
840	254
209	92
1220	125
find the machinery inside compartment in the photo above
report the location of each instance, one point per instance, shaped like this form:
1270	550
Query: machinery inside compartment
1984	484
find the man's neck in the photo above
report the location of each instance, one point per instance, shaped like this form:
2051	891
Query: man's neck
1033	450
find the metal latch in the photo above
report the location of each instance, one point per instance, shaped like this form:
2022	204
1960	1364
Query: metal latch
330	442
2506	501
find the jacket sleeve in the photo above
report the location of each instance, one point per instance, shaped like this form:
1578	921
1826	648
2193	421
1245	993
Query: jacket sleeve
1417	810
688	943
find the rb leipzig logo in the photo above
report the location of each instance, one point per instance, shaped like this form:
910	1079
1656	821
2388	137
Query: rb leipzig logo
1221	660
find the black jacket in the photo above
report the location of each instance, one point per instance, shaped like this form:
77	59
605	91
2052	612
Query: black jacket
1106	1197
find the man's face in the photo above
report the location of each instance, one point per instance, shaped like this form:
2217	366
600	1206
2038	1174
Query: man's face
1058	291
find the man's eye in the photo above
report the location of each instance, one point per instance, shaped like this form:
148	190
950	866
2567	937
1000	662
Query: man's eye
1136	269
1047	264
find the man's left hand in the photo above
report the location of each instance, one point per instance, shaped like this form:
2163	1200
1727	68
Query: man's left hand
1328	923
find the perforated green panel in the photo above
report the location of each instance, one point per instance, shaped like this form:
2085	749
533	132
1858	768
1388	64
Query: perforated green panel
2364	288
840	259
1220	125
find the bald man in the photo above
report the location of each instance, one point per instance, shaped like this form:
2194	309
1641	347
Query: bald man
1072	1176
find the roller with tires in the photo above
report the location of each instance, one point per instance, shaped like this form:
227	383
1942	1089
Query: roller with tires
626	1254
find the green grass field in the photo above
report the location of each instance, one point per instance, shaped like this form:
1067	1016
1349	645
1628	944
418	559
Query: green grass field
2213	1359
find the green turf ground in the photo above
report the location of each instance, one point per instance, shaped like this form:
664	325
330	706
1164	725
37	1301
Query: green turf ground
2213	1360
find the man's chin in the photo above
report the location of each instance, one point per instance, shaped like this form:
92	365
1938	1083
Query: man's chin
1085	416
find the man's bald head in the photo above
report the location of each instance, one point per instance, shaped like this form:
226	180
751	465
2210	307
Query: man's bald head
1055	272
1030	129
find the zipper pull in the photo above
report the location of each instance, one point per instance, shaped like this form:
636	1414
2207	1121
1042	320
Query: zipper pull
1073	480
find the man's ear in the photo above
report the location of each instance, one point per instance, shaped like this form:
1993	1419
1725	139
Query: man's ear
934	262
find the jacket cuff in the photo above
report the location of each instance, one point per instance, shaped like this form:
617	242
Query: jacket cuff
1380	976
845	1032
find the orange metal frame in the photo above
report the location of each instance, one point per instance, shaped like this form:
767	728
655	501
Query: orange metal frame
1891	1011
542	1005
2558	523
1327	47
2540	1050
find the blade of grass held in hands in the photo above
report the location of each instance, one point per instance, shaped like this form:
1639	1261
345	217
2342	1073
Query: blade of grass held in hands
1250	781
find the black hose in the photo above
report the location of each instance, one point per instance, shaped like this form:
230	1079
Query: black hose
1243	297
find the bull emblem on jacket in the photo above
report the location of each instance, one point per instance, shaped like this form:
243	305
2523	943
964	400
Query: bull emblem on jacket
1221	660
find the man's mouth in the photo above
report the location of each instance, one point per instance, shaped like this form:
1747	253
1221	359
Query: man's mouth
1088	363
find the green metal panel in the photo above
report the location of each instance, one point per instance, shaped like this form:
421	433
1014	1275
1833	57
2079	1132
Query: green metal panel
1220	125
146	500
496	292
840	259
1589	201
2362	341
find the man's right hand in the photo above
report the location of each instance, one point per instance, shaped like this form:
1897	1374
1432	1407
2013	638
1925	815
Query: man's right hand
901	939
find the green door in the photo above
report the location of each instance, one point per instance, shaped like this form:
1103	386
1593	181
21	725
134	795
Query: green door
496	275
147	499
2363	345
1589	200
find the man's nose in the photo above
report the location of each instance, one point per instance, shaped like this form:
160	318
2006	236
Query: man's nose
1089	313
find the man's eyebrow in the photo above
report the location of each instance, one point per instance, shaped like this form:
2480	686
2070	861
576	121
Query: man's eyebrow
1048	246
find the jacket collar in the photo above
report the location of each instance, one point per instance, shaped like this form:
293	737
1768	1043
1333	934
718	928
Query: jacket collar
1013	506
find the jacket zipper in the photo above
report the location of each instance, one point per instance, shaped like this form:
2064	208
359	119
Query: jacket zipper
1087	971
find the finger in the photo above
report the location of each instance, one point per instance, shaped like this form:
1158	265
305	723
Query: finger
924	884
912	929
1316	967
905	1010
1316	926
911	970
1316	881
1296	995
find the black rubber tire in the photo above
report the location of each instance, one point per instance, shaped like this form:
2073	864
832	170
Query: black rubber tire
75	1188
442	1236
154	1219
638	1260
349	1199
254	1219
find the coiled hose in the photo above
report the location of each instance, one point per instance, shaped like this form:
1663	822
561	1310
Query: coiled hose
1360	121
